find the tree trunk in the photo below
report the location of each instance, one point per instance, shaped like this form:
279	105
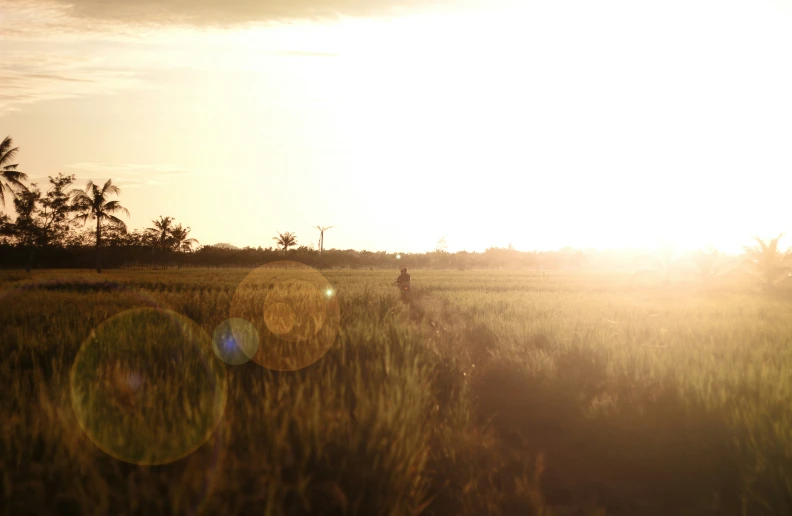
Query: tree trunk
98	243
321	251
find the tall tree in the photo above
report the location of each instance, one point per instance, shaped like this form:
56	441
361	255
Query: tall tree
92	203
766	261
27	227
286	240
55	210
322	229
162	231
181	239
10	178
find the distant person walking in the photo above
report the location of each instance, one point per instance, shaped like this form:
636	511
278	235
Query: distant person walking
404	278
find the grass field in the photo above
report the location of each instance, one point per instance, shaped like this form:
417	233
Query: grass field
489	393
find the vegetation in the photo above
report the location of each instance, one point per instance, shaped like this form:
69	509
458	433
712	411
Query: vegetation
10	178
491	393
161	231
93	204
766	261
540	389
42	236
181	239
286	240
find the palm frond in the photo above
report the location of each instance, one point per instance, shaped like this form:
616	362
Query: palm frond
14	177
84	217
115	207
110	188
5	144
6	154
10	173
115	220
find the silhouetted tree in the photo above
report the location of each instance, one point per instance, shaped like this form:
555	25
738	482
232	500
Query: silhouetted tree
161	231
181	240
10	178
286	240
321	229
26	230
55	210
766	261
92	204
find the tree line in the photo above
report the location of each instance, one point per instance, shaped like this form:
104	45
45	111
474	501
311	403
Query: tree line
67	226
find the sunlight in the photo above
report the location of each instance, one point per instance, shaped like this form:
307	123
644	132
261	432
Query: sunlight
540	125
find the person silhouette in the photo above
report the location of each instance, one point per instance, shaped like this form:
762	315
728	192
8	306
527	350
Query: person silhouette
404	278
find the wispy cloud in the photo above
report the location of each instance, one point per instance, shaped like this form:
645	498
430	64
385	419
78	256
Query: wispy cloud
55	50
126	175
27	77
228	12
301	53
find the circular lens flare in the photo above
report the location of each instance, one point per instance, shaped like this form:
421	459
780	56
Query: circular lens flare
235	341
280	318
145	387
287	303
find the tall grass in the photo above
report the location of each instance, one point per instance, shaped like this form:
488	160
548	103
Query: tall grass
489	393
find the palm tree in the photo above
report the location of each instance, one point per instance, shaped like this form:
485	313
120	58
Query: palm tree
92	203
766	261
181	242
10	178
708	263
161	230
286	240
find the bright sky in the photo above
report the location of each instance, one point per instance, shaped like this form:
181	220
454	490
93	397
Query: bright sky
542	124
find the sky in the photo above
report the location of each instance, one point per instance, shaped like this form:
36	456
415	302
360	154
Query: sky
540	124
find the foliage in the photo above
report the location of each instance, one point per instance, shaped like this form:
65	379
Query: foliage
286	240
161	231
10	178
93	204
766	261
181	239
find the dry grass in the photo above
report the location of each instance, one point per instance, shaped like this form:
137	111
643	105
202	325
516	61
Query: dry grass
491	393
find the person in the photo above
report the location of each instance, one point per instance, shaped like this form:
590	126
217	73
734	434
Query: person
404	278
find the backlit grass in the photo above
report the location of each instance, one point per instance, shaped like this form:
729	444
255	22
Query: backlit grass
490	393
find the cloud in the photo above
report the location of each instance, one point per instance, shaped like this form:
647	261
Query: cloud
52	77
300	53
126	175
230	12
127	168
27	77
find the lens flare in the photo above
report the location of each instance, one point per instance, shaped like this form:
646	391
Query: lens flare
235	341
288	305
145	387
